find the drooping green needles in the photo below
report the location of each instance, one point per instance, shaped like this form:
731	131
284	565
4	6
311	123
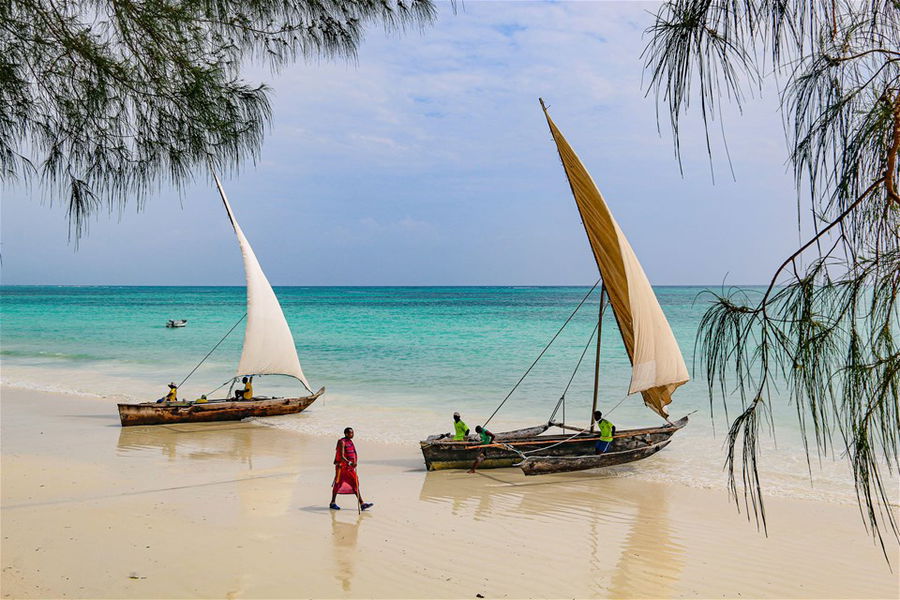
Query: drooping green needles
824	334
103	102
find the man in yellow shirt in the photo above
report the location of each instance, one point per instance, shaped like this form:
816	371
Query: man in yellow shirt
607	431
247	392
460	429
171	396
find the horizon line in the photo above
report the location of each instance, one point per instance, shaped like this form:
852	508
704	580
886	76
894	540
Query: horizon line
462	285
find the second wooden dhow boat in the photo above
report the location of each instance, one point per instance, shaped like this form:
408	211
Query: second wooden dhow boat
268	350
657	366
509	451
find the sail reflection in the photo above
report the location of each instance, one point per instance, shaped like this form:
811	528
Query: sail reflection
236	442
650	562
615	529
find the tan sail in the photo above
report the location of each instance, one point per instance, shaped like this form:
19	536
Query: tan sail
657	366
268	344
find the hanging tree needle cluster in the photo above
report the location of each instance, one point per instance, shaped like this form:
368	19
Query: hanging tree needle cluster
826	327
102	102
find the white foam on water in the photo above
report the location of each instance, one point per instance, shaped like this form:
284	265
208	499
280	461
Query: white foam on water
81	382
46	387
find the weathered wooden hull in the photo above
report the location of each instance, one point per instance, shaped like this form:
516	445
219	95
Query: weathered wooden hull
540	465
443	454
151	413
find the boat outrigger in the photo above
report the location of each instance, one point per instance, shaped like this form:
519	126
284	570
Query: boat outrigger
657	366
268	350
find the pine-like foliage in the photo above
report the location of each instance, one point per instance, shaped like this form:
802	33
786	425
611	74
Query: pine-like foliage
827	326
103	101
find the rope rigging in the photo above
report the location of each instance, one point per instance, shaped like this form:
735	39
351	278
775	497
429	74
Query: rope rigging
562	398
571	437
213	350
553	339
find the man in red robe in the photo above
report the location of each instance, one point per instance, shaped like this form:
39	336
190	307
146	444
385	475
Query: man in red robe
346	480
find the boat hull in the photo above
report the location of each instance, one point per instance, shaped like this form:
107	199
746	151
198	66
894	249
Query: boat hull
151	413
441	454
541	465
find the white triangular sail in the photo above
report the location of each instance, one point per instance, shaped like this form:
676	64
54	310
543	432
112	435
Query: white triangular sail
657	366
268	344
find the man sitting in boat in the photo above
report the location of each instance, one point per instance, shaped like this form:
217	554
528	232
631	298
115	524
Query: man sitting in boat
607	431
486	438
461	430
247	392
171	396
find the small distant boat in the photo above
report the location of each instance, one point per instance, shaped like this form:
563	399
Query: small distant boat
176	322
657	366
268	350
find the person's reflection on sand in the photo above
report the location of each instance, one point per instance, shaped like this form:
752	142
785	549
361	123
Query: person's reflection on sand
344	533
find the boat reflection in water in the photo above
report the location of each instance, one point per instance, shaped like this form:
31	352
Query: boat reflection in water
234	442
657	365
608	525
652	559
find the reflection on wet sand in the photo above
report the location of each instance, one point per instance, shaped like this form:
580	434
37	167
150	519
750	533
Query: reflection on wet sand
651	561
270	454
623	533
345	531
264	497
201	441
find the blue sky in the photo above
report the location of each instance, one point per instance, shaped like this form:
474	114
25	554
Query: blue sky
428	162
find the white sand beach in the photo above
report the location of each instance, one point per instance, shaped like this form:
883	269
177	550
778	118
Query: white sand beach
239	510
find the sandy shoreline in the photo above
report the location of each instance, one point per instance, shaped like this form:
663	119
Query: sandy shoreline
239	510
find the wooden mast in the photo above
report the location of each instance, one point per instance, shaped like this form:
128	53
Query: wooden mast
597	358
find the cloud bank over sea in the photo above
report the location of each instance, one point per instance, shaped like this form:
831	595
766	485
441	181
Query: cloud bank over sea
428	162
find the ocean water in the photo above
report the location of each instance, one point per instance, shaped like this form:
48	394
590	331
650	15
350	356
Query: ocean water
396	362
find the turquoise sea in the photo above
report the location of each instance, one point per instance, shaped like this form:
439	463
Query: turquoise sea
396	362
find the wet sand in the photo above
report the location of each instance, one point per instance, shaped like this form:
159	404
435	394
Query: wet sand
239	510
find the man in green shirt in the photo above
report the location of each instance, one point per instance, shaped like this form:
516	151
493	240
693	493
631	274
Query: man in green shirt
607	431
486	438
461	430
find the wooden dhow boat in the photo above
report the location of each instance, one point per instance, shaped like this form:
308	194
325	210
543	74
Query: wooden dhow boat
508	452
657	365
268	350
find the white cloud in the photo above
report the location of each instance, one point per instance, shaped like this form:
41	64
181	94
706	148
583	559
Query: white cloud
437	139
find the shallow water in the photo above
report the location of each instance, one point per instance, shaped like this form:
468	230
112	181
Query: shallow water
396	363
